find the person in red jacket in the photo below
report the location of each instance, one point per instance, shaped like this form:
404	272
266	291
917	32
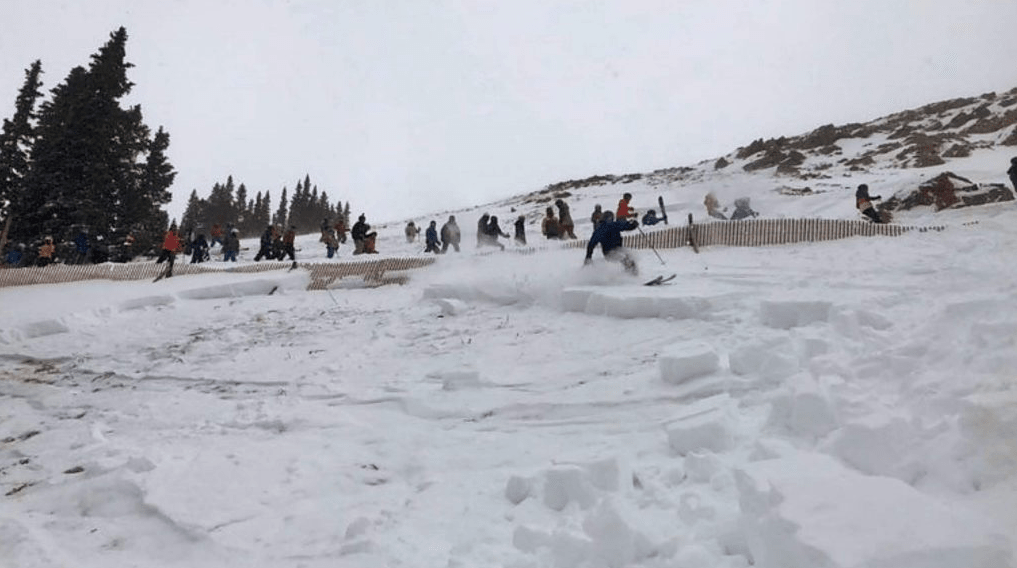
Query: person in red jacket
170	247
625	212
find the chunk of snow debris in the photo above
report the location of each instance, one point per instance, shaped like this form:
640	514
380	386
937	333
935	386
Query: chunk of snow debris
704	432
517	489
876	445
451	306
688	362
770	360
786	314
456	380
567	485
805	510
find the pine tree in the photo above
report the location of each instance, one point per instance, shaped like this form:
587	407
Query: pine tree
280	217
195	210
239	208
17	137
87	168
148	221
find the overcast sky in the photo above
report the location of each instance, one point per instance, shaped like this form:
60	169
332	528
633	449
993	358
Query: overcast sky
418	106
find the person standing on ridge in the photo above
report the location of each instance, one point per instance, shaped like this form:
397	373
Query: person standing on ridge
520	226
494	231
450	235
595	218
565	220
864	203
431	238
1012	172
550	226
624	210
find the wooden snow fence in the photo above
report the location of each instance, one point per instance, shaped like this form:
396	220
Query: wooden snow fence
761	232
382	271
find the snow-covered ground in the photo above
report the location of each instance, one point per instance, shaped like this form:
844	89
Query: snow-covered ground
840	404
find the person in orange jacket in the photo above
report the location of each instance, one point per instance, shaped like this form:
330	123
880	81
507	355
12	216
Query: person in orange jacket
625	212
170	247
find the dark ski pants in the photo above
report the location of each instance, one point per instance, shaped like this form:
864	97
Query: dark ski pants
872	214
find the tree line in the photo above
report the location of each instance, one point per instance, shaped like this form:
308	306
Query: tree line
81	163
230	204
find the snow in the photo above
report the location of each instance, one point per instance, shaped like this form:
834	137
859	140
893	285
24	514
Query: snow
839	404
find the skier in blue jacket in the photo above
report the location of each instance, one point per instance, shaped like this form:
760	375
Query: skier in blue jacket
608	235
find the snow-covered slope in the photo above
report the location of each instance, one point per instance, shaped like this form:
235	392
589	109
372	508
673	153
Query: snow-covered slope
838	404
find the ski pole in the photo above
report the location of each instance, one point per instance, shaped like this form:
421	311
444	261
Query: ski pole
651	245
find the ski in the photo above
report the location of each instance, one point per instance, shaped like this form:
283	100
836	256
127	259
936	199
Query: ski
164	274
692	235
660	280
663	212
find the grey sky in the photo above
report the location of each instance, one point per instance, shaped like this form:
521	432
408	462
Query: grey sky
412	107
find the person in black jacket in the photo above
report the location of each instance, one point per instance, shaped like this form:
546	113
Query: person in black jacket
431	238
1012	172
608	235
363	237
494	231
864	203
265	249
520	226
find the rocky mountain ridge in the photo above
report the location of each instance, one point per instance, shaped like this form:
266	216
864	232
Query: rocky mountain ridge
927	136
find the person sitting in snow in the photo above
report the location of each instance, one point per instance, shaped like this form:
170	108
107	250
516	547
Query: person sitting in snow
713	207
363	236
651	218
608	235
742	209
864	203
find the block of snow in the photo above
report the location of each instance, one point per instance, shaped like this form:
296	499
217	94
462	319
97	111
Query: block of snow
875	445
517	489
42	328
567	485
809	510
704	426
786	314
457	380
634	302
805	410
687	362
770	360
451	306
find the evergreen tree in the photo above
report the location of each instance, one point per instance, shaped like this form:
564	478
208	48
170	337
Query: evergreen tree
17	137
148	221
220	205
195	210
280	214
239	208
87	167
264	214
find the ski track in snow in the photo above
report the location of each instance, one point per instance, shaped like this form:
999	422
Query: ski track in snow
505	410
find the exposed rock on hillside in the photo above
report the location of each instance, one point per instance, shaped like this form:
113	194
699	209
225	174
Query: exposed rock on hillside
948	191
